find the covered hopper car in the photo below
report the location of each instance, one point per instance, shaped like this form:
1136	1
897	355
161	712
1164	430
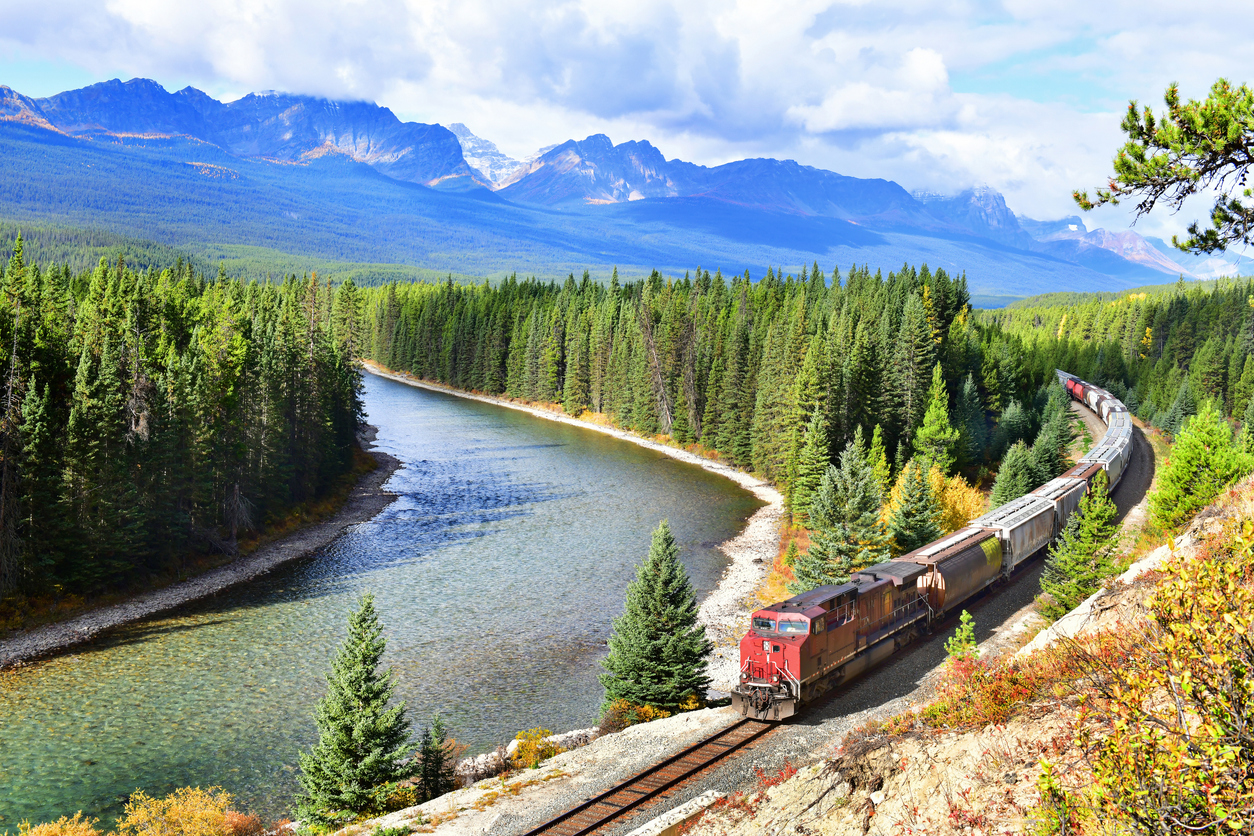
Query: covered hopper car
800	648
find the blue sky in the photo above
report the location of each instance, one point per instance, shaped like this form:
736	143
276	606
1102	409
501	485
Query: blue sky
1022	96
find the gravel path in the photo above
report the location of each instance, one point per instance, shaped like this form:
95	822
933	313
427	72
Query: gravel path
365	501
726	609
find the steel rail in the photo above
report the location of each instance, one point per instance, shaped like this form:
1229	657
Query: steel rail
650	783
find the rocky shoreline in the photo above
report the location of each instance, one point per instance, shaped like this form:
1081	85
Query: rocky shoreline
366	500
725	611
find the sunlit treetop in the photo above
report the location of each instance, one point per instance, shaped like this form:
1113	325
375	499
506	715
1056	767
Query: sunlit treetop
1194	147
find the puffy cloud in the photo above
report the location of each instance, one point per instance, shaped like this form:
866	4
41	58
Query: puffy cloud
1021	95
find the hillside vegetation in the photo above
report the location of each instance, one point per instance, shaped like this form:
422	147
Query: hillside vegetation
1162	351
150	416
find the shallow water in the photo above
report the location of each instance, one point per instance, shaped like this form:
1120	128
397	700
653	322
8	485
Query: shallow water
497	574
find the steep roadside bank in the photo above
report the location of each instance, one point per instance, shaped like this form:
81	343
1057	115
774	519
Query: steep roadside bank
365	500
751	552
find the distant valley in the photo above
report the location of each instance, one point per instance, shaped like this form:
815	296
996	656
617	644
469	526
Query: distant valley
281	175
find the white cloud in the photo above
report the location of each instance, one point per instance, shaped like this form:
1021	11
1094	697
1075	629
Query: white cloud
1022	95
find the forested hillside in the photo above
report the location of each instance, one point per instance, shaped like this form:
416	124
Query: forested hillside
750	370
148	415
1161	351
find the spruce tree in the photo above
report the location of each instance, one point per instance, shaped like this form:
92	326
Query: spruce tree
1202	463
658	652
1084	554
971	424
811	464
1015	477
878	457
846	511
435	774
936	439
362	742
915	521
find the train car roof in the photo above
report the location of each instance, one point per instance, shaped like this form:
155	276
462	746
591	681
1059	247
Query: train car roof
1055	488
813	597
1082	470
944	547
900	572
1014	512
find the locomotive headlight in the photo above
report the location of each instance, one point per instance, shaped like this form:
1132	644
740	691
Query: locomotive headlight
775	679
766	646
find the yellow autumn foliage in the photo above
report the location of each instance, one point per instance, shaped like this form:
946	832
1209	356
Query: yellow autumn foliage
64	826
959	502
189	811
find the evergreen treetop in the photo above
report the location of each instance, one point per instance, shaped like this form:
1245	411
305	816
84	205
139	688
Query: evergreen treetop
1202	463
936	439
658	651
363	741
915	517
849	533
1016	476
1084	554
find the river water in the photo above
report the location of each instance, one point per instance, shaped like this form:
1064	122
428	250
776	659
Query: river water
497	574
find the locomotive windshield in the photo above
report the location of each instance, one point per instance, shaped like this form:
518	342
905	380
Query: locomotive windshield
794	627
765	625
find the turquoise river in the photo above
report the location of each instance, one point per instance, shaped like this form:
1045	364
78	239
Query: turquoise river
497	573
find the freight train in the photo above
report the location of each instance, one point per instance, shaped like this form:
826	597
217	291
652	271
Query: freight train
799	649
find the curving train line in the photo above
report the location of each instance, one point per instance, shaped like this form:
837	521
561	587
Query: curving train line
801	648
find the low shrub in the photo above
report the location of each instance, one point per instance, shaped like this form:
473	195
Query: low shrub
189	811
243	824
620	714
534	747
64	826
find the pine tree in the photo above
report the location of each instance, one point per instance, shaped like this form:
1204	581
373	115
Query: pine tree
1015	477
811	464
362	742
1048	457
658	652
878	457
1085	552
1202	463
914	520
846	511
971	424
916	351
435	775
936	439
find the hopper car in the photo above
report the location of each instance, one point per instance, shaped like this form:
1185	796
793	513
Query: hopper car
799	649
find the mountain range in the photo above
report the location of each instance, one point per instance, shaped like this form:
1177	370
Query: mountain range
349	180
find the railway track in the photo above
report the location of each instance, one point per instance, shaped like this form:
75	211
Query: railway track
652	783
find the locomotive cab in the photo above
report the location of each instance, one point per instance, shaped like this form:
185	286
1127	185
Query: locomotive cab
786	647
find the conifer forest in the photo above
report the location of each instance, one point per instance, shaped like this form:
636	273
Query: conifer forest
151	415
748	369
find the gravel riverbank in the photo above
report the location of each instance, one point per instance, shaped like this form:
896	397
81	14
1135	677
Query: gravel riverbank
725	611
366	500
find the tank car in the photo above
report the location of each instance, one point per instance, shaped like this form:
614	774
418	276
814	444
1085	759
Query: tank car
800	648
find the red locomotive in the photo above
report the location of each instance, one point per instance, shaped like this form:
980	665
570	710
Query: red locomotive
798	649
